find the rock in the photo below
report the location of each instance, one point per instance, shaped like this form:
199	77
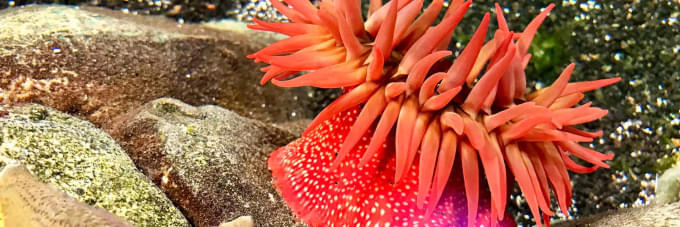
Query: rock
181	10
649	215
243	221
295	127
210	161
84	162
29	202
668	186
99	63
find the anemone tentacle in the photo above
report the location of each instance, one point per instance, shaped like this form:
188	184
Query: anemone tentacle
401	122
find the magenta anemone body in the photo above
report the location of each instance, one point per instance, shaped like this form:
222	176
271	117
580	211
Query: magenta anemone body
413	136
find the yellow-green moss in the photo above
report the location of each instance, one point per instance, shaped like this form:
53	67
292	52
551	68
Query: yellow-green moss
84	162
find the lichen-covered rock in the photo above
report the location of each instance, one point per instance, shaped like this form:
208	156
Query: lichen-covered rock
210	161
26	201
99	63
668	186
84	162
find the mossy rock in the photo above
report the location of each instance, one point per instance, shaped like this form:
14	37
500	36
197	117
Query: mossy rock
84	162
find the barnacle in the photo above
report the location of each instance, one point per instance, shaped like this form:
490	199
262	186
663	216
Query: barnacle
422	114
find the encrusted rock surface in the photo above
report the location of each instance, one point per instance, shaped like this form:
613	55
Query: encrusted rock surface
98	63
210	161
84	162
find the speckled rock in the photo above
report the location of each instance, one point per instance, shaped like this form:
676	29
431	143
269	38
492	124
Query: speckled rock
84	162
98	63
668	186
210	161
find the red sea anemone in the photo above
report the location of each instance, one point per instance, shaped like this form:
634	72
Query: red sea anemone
384	152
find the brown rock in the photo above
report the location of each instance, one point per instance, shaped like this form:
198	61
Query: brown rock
210	161
98	63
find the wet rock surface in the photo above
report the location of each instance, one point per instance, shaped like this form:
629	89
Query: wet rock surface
98	63
84	162
210	161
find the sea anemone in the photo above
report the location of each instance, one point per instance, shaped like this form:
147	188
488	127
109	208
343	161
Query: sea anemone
403	101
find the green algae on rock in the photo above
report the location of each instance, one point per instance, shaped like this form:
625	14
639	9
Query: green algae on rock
210	161
84	162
